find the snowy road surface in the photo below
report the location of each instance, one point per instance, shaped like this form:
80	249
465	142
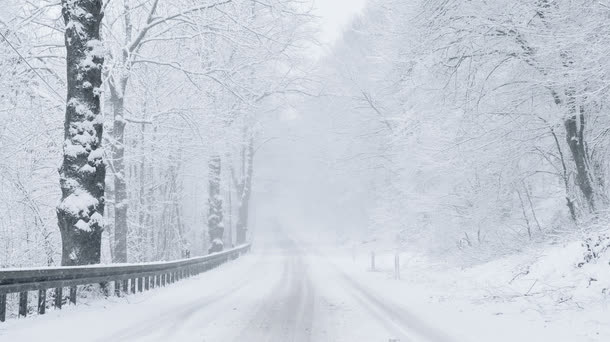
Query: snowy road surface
277	293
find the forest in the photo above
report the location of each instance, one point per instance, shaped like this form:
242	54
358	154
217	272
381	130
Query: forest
471	138
162	96
474	128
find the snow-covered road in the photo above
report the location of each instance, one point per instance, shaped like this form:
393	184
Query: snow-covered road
277	293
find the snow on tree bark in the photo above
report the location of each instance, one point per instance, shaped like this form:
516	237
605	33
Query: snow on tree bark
83	170
245	188
215	215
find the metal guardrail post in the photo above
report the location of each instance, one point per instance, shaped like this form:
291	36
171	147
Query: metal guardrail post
42	301
23	304
2	307
73	295
58	297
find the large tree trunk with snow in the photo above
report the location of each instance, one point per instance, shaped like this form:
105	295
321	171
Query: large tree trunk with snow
215	215
80	212
245	190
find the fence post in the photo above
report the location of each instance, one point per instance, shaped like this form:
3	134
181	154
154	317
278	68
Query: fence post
372	261
397	266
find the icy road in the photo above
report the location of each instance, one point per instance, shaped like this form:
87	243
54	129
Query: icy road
279	293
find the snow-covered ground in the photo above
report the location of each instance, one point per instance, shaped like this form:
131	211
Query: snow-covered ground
289	290
542	295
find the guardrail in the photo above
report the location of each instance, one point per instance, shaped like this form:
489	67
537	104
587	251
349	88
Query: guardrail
126	278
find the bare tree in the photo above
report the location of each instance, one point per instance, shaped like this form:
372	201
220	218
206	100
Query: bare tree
215	214
243	185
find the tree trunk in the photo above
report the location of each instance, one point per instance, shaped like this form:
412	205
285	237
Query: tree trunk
575	126
144	229
118	88
80	212
215	215
230	216
243	206
564	176
120	185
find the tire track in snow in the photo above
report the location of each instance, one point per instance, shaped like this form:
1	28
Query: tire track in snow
162	326
404	324
286	314
409	326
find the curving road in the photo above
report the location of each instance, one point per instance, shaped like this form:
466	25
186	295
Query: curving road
279	293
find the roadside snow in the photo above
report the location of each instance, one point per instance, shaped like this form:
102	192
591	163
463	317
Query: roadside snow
536	296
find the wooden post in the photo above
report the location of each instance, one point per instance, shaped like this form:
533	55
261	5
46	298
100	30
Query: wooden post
58	297
372	261
157	280
23	303
147	283
42	301
133	285
140	283
117	288
73	294
397	266
2	307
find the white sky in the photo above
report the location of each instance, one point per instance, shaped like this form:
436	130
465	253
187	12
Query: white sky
335	14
